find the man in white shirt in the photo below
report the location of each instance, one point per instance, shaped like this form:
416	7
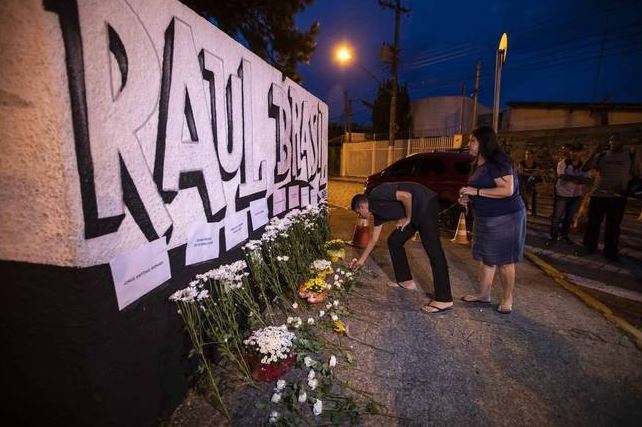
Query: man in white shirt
568	191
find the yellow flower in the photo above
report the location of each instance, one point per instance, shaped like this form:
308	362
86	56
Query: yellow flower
316	284
339	327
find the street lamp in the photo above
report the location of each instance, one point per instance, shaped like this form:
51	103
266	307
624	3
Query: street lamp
343	54
502	50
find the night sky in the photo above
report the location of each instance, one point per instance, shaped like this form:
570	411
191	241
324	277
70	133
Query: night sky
554	50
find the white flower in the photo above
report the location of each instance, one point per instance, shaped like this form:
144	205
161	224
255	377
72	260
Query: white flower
321	265
310	321
290	319
273	416
311	374
318	407
276	397
333	361
334	317
308	362
313	383
321	313
280	384
335	303
303	397
336	277
295	306
328	306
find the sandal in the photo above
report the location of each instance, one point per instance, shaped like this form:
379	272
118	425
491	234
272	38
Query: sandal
433	309
474	298
504	310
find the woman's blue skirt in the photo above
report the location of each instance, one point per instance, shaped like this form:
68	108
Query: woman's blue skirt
499	240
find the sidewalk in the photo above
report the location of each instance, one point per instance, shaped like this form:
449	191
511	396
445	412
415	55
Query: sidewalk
553	361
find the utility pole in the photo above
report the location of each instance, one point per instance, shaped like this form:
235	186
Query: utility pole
392	125
476	93
463	107
346	116
349	120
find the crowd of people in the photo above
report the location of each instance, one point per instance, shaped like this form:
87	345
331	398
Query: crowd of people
500	193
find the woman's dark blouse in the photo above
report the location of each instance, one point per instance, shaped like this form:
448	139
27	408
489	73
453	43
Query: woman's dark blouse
484	177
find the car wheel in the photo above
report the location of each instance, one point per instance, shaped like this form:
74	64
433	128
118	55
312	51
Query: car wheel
448	215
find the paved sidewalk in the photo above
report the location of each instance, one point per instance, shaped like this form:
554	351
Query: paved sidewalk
553	361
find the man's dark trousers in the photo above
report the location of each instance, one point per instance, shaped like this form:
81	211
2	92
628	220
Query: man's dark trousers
425	220
613	209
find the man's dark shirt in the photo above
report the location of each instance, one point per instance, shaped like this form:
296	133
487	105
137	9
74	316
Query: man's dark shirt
384	205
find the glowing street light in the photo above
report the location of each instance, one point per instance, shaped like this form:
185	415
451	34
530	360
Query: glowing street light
343	54
502	51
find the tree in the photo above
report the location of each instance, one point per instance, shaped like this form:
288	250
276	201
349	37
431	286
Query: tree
381	110
266	27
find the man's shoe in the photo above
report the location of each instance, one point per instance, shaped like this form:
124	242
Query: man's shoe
550	242
612	258
567	240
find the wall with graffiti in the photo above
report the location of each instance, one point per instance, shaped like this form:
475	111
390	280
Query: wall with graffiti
139	145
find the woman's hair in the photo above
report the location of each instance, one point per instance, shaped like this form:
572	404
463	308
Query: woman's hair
489	148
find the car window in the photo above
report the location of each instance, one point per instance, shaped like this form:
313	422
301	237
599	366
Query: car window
402	168
428	167
463	168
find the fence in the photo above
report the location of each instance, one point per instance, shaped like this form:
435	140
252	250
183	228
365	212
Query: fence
365	158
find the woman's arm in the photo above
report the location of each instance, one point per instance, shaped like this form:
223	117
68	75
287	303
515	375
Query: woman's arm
504	188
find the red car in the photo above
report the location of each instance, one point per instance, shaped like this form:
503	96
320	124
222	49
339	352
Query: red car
443	172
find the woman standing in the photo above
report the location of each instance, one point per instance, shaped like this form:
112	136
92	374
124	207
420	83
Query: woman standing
500	217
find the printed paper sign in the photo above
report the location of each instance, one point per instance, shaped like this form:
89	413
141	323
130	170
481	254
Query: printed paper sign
314	198
305	196
140	270
258	213
202	242
278	201
293	197
235	229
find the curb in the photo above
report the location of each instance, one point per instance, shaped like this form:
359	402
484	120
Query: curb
634	333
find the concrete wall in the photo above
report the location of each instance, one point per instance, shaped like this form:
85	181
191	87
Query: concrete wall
125	122
522	119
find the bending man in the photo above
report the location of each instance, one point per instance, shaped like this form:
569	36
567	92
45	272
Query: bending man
415	208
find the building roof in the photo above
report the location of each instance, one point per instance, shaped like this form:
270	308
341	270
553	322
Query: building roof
576	105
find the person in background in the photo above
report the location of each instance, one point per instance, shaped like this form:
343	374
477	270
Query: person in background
568	192
616	168
500	217
529	177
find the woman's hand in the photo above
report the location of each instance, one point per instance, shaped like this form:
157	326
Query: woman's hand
402	223
463	200
468	191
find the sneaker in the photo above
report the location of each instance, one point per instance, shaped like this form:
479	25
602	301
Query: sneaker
567	240
550	242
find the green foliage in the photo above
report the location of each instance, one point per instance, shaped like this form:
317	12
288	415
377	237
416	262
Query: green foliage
266	27
381	110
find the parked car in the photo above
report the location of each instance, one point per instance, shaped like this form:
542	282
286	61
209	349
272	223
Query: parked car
443	172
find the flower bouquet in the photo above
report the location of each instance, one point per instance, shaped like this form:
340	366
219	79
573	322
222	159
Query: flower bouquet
335	250
314	290
270	352
321	267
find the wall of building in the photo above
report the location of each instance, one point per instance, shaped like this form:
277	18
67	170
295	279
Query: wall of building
130	131
539	118
441	116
